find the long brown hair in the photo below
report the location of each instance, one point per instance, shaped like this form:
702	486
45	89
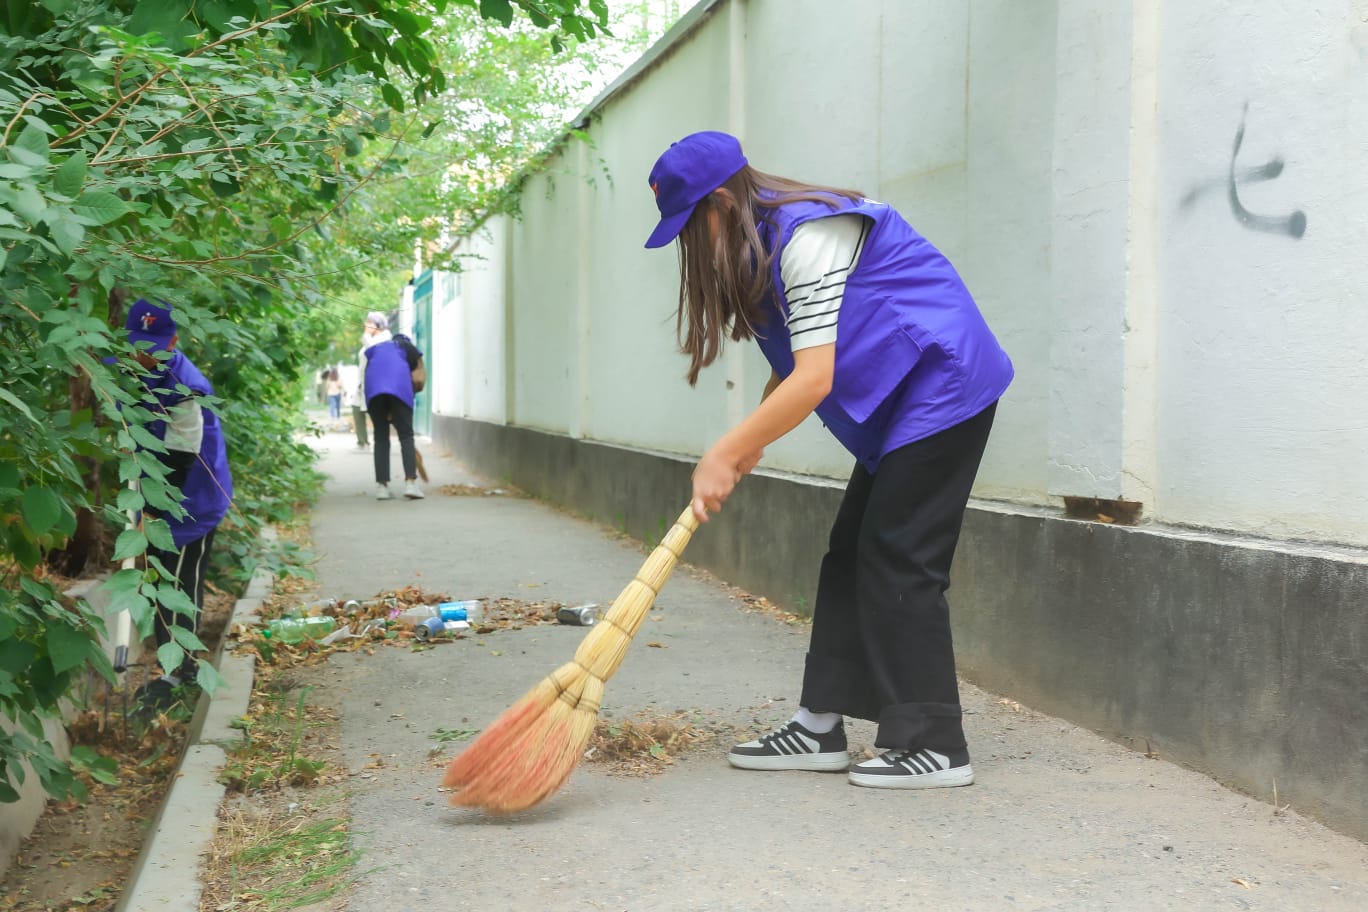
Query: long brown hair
725	283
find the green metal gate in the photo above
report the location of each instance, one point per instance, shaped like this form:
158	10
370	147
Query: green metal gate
422	337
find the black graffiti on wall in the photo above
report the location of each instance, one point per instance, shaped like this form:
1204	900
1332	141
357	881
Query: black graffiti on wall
1292	225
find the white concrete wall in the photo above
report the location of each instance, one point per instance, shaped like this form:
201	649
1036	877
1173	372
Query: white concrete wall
1262	380
446	379
1006	248
482	391
1071	157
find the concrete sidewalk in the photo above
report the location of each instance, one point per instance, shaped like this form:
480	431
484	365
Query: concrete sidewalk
1059	818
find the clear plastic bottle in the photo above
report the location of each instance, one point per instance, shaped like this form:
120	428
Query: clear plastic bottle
312	609
296	629
416	614
320	607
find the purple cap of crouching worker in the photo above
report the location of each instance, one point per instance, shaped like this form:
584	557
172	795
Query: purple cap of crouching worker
685	173
150	326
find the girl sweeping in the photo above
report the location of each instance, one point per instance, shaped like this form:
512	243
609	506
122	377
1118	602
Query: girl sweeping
868	325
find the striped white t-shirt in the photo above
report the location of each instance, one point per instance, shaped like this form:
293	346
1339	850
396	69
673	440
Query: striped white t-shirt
814	265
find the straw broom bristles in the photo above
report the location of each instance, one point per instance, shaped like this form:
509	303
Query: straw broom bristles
528	752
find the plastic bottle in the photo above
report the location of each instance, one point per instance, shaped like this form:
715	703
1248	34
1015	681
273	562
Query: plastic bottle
469	610
312	609
415	615
322	606
295	630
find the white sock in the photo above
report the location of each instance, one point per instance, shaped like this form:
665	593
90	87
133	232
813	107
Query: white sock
817	723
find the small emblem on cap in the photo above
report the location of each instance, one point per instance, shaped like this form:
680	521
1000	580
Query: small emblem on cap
147	320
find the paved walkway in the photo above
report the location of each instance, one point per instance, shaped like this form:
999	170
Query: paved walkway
1060	818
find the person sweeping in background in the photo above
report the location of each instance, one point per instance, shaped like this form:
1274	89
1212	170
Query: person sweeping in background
865	323
388	363
196	460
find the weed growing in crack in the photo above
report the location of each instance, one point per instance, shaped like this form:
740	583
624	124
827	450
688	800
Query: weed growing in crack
269	754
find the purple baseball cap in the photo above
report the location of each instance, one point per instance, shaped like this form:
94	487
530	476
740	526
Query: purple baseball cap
151	323
685	173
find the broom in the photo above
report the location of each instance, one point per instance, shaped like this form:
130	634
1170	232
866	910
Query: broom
529	751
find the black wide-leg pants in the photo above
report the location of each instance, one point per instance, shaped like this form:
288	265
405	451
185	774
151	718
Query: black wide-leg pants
881	647
386	410
190	567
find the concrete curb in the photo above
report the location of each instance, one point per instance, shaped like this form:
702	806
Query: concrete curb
166	874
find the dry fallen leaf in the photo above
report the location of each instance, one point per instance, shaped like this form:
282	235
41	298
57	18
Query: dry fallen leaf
656	645
1242	883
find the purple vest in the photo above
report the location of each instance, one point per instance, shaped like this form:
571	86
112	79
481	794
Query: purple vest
208	489
913	354
388	371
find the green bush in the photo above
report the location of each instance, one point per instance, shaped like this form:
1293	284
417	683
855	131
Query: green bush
194	152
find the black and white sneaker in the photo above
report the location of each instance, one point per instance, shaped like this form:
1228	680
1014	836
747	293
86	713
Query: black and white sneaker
793	747
914	769
159	696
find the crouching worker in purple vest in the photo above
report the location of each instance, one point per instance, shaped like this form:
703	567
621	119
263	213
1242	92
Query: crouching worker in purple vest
868	325
197	464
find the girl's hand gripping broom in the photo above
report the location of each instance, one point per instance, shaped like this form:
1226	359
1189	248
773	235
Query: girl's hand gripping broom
529	751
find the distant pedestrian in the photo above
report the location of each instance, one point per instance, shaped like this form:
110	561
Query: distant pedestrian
334	390
910	391
388	364
353	404
196	460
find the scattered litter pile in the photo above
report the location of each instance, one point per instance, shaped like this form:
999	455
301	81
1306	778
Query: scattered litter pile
468	490
298	631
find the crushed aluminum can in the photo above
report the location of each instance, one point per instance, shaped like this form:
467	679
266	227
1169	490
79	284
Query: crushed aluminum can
428	628
434	627
579	615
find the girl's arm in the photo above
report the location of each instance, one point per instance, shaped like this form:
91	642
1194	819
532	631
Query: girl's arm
751	461
771	385
785	405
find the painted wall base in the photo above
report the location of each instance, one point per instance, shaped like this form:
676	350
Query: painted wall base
17	819
1244	659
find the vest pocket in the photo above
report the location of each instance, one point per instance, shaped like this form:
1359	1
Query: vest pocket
867	374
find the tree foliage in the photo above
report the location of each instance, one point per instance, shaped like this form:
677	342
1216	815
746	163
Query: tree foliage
199	151
449	164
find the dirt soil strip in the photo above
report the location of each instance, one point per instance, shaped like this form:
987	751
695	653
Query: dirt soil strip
79	856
